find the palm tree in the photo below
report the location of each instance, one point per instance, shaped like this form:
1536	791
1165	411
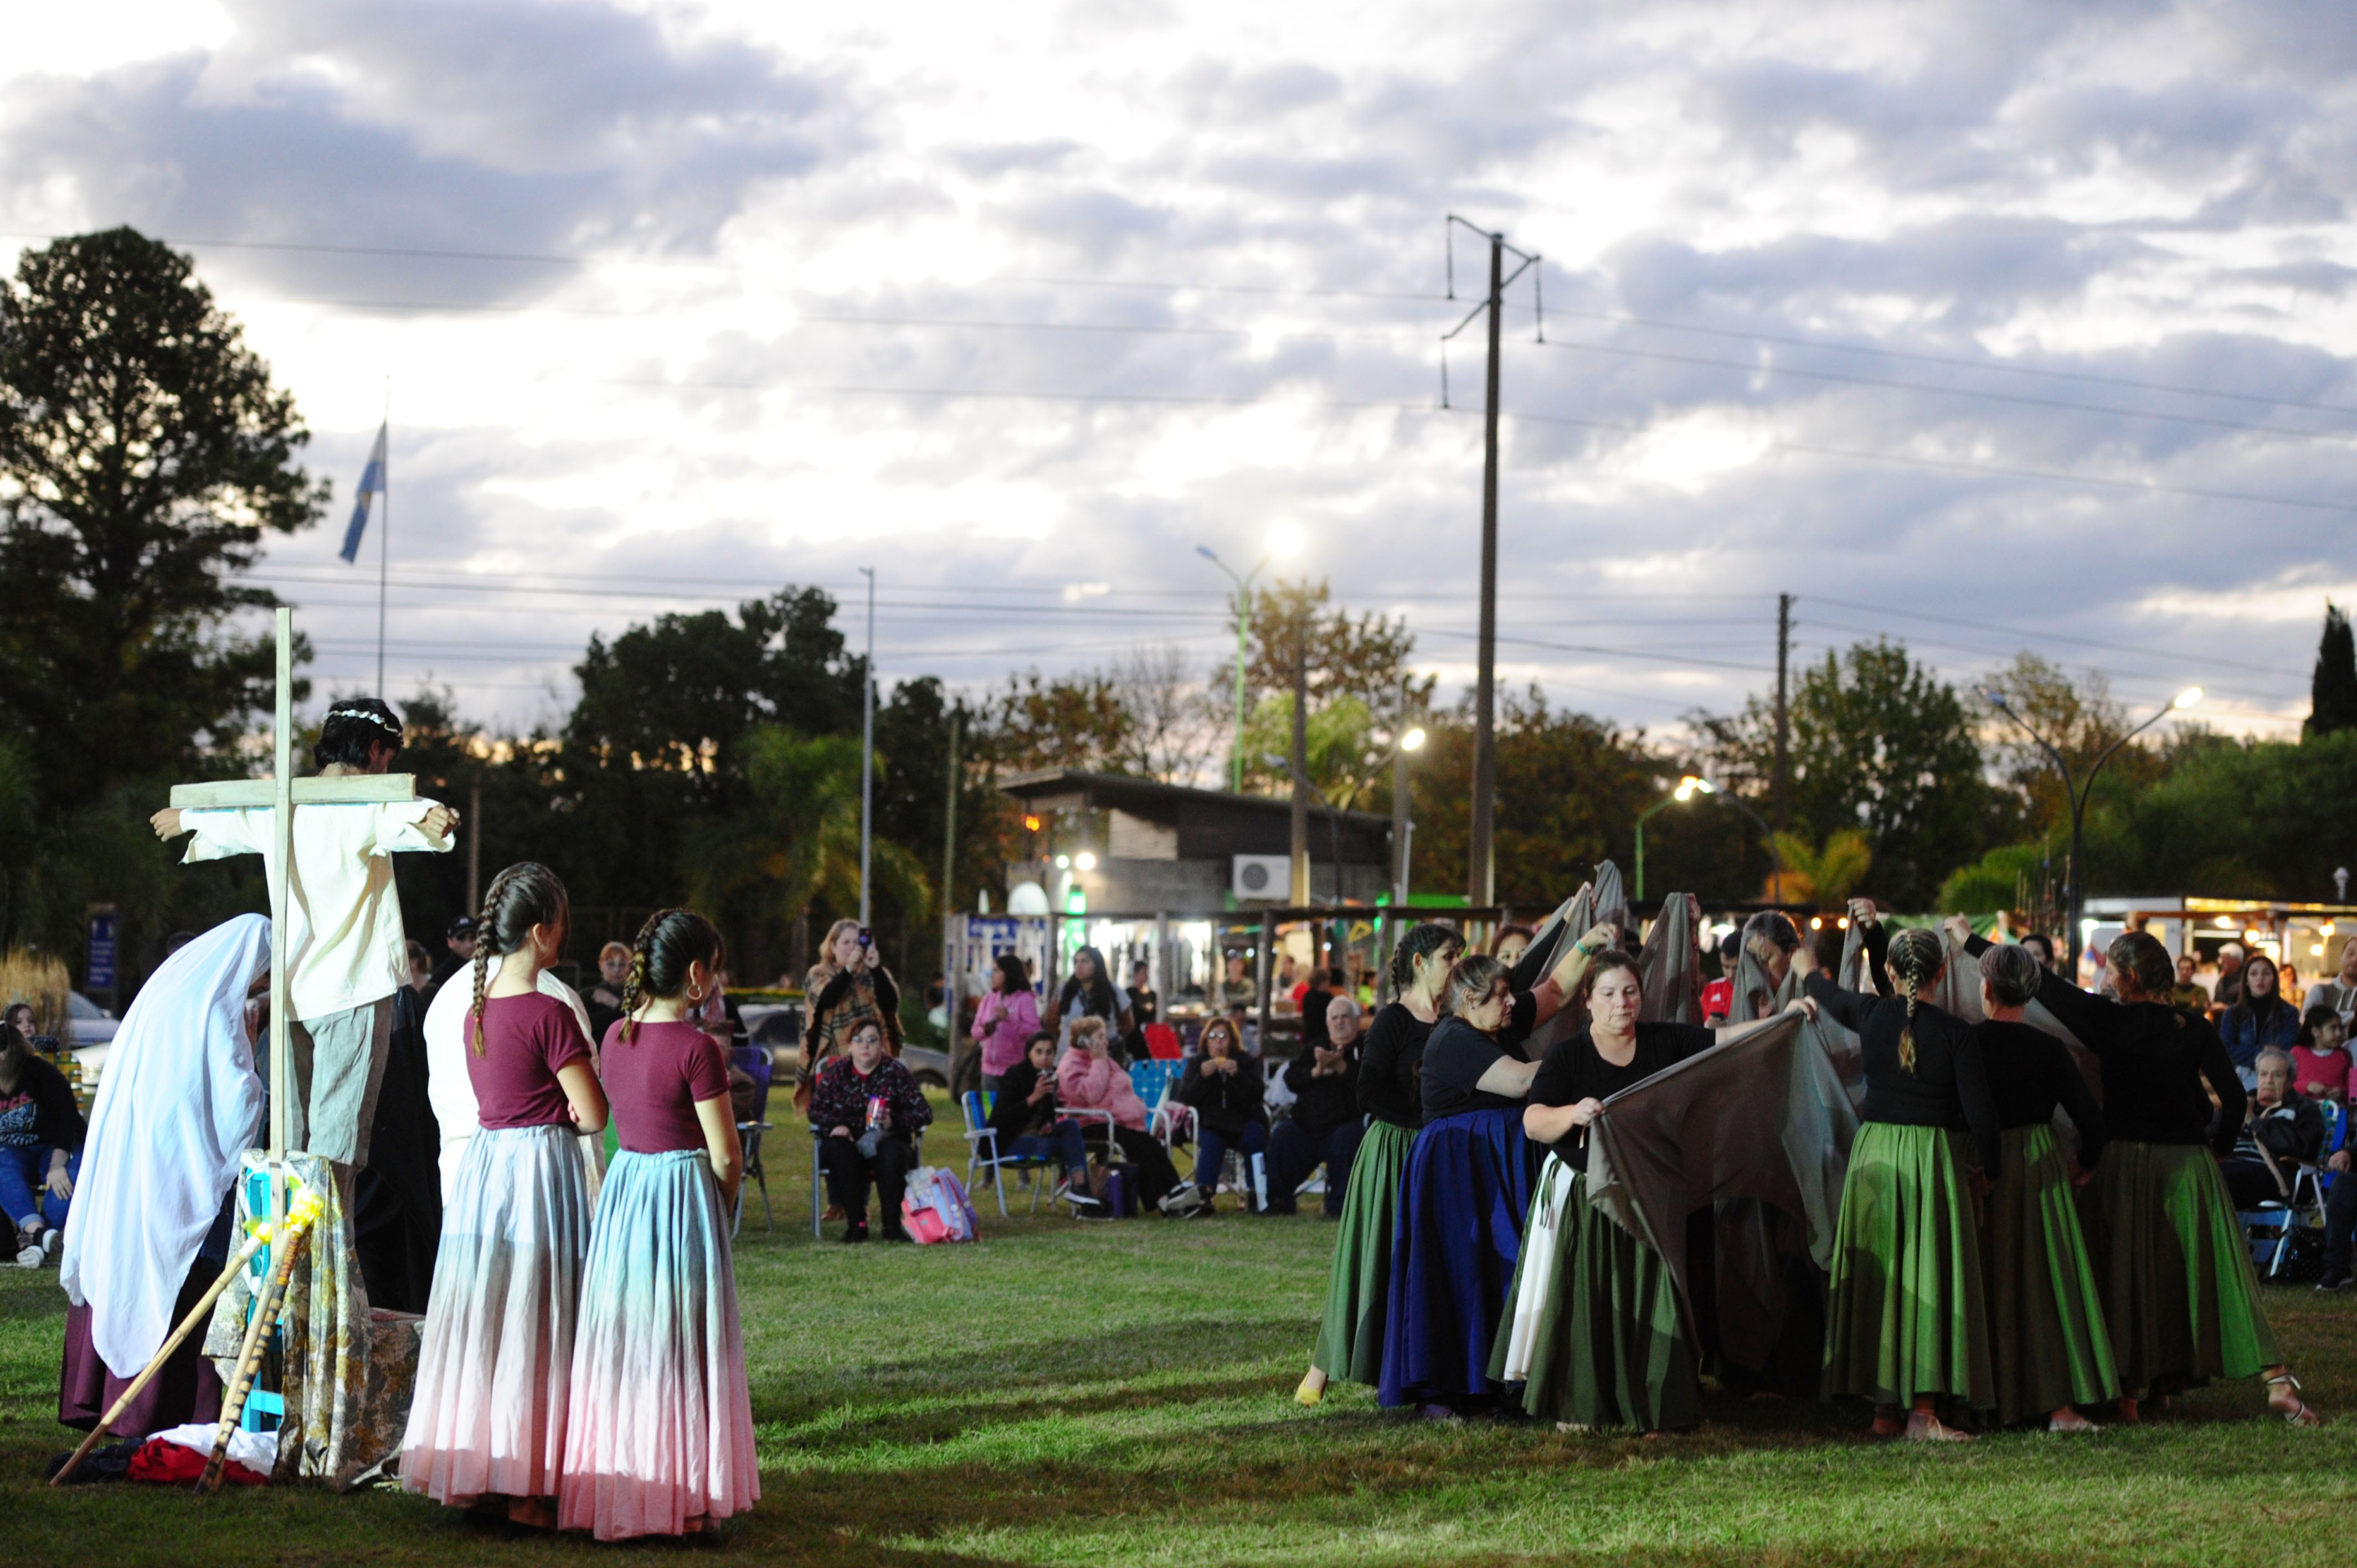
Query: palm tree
1823	877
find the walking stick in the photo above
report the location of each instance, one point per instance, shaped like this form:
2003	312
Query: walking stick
257	1333
197	1315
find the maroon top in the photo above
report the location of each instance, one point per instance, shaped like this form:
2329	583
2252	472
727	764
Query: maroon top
525	1040
653	1080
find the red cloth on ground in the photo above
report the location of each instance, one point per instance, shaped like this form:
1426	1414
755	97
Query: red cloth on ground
157	1460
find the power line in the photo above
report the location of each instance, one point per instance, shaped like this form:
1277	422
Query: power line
2050	635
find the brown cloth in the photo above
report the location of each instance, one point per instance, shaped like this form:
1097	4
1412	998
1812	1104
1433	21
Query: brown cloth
1764	1119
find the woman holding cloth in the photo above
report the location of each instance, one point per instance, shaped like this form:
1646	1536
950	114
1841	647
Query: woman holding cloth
1466	1187
1907	1316
1594	1335
2045	1316
2180	1299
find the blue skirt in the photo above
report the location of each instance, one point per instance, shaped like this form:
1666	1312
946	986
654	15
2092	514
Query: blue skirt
1461	1206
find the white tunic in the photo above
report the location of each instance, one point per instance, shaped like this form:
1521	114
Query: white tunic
344	942
178	1106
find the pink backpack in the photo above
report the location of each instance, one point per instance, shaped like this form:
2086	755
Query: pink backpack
935	1208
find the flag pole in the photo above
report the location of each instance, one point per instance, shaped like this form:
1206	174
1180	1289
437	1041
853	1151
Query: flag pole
383	535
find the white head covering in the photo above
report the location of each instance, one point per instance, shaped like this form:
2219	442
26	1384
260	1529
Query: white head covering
178	1105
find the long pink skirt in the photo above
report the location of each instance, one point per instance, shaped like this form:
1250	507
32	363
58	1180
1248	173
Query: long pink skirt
663	1426
495	1371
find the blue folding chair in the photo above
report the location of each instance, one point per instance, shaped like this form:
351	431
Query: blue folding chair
982	1150
756	1063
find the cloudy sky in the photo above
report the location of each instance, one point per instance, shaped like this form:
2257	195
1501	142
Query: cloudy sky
1986	326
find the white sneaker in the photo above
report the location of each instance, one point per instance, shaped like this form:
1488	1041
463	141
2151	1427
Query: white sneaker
52	1242
29	1257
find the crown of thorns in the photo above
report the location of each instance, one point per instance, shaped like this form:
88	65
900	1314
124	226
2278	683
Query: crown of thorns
377	719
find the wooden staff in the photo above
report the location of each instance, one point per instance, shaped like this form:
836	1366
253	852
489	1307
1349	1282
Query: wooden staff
197	1315
257	1334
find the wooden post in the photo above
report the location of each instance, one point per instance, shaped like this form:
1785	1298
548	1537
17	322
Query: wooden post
282	827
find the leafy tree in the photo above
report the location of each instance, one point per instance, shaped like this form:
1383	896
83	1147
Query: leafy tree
1075	721
144	454
2080	720
1361	660
1879	743
2332	692
1178	720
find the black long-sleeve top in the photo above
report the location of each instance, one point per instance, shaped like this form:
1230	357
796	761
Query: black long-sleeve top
2029	1073
2155	1058
1948	1086
1226	1102
1322	1104
1390	1089
1011	1110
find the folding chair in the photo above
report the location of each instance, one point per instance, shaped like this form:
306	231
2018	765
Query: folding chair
982	1150
756	1063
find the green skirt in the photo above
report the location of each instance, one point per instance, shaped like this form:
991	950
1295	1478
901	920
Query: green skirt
1350	1341
1592	1331
2045	1315
1905	1317
2180	1297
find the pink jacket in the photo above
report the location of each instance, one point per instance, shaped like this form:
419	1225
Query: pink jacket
1099	1083
1002	1024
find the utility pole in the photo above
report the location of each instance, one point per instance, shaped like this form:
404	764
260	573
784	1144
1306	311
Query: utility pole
949	832
1783	711
867	750
1300	879
1481	879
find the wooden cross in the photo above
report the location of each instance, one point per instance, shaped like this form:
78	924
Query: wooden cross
281	792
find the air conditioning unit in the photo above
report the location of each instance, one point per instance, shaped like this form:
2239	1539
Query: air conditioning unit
1267	877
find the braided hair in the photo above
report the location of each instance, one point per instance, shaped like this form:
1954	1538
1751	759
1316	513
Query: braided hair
671	942
525	894
1431	937
1916	956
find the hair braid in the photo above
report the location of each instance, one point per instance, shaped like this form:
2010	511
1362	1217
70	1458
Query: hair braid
1916	958
633	993
666	947
486	942
521	897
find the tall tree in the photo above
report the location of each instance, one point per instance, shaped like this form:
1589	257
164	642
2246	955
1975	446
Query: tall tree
144	454
1879	743
1066	721
1357	662
2332	693
2079	718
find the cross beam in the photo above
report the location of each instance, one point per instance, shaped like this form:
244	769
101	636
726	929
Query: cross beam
354	789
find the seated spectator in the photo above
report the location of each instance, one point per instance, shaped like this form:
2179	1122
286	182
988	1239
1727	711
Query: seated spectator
41	1134
2320	1063
2290	988
2186	993
2227	988
2284	1131
1023	1112
1237	988
1718	996
1224	1086
1325	1127
2259	1020
868	1113
1089	1079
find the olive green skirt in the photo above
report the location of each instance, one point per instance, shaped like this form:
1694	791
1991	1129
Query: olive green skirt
1905	1314
1592	1330
2045	1316
2180	1297
1350	1341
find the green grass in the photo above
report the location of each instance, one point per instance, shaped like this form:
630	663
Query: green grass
1120	1394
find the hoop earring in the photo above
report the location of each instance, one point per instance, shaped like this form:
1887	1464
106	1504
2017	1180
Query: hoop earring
694	997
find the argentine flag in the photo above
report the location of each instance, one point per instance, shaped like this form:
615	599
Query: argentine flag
372	484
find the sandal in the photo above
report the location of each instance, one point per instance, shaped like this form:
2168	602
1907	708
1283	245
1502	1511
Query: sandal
2298	1413
1922	1426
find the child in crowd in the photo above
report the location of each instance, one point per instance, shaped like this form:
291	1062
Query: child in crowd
487	1419
662	1435
2320	1061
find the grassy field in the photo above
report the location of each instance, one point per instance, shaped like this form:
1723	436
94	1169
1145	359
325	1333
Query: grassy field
1120	1394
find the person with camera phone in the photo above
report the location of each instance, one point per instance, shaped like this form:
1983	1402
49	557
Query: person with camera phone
847	987
41	1133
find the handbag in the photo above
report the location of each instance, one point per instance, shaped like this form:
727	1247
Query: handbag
935	1208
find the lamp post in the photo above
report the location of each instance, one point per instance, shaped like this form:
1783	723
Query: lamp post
1401	846
1775	855
1688	788
1334	817
1243	633
2076	792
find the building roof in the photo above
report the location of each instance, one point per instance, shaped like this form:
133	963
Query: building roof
1205	824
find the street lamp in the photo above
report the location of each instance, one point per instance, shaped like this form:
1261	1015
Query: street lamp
1334	817
2077	791
1243	632
1401	830
1688	788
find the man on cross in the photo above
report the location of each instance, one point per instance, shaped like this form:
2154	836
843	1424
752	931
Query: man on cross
347	953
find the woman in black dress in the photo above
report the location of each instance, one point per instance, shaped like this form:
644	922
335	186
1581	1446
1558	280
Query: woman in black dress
2180	1298
1225	1088
1351	1339
1594	1335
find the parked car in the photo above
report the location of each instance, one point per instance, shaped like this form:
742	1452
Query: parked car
778	1026
90	1034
